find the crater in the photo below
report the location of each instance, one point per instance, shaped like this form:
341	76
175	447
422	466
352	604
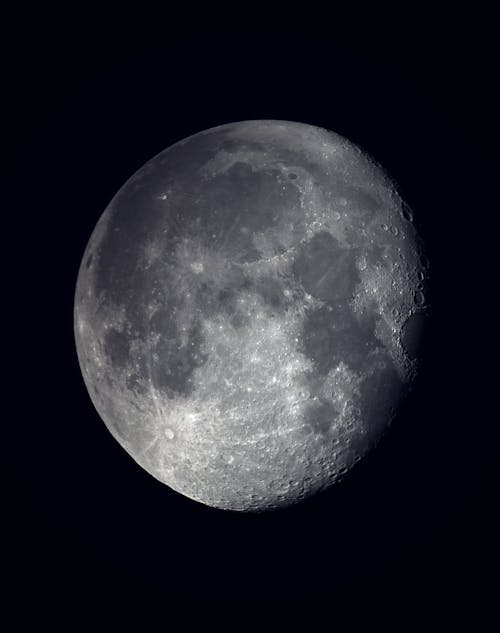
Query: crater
239	320
406	212
419	298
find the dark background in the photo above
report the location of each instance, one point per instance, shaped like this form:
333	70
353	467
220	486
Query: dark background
415	523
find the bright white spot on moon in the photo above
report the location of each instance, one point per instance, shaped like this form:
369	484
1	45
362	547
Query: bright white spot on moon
81	325
169	434
197	267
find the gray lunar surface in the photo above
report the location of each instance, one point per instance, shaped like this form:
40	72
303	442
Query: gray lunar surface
248	312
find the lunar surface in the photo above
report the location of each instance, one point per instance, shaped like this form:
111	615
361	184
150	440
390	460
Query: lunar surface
248	312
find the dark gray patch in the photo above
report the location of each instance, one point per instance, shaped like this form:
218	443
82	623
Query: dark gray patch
207	299
380	392
292	176
424	260
173	364
89	261
331	336
326	270
226	296
320	416
183	160
116	347
230	144
133	224
226	301
411	334
365	202
248	199
271	291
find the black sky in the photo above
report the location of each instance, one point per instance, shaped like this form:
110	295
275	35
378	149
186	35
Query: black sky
416	521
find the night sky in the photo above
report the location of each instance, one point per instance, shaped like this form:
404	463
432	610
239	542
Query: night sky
414	524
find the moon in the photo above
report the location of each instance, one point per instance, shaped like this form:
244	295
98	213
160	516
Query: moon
248	312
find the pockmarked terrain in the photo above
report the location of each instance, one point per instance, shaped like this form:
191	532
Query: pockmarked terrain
248	312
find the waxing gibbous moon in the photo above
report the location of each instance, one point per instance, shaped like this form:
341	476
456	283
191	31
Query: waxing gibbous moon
248	312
